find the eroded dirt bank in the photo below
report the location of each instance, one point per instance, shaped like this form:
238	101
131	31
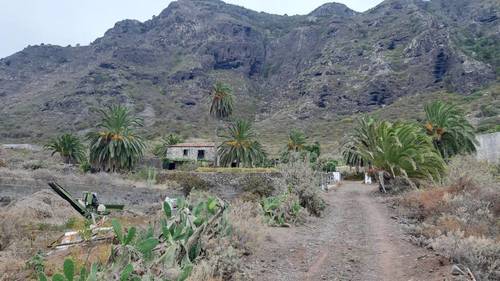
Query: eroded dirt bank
356	239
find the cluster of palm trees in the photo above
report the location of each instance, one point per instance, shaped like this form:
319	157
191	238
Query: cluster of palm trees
114	146
411	150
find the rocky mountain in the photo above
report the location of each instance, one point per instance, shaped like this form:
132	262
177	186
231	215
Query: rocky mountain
287	71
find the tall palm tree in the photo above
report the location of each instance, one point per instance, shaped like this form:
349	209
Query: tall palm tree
222	101
221	107
451	133
396	150
69	147
296	140
116	146
240	146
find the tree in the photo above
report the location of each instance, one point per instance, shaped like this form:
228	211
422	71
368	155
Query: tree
221	107
161	149
296	140
116	146
451	133
314	151
222	101
69	147
395	150
240	147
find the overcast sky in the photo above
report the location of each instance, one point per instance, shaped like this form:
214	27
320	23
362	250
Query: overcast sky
63	22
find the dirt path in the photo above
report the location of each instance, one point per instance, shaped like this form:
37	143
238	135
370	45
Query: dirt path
356	239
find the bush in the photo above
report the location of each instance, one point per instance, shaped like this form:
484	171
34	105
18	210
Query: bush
301	180
261	186
34	165
481	255
329	165
246	228
460	217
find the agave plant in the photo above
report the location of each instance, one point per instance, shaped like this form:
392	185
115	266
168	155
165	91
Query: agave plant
451	133
397	150
222	101
240	146
69	147
116	146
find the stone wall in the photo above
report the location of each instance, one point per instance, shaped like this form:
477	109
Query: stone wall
489	147
225	185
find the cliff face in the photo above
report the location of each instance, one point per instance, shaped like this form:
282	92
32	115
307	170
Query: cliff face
285	70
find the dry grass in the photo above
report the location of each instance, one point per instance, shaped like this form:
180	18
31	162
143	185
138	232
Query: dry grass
460	217
223	260
247	225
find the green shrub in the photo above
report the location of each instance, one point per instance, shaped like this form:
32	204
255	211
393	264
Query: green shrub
329	165
36	263
85	166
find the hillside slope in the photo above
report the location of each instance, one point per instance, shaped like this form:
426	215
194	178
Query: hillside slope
287	71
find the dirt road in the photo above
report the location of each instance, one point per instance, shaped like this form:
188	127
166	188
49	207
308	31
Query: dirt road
356	239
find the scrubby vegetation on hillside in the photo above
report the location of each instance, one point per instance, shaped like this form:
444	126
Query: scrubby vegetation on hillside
459	217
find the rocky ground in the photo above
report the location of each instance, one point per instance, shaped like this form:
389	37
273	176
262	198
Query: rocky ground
356	239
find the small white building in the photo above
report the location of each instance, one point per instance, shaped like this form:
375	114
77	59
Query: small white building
191	152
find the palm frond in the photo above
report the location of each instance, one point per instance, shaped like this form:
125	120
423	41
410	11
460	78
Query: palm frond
451	133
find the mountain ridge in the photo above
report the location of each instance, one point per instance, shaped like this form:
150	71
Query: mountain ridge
287	71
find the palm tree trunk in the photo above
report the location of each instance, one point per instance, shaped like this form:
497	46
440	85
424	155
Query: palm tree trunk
216	142
381	181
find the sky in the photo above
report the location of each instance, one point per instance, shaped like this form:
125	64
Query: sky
68	22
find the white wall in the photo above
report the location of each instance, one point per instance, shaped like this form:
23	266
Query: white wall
489	147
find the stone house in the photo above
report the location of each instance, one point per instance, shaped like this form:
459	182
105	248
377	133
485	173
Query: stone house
191	152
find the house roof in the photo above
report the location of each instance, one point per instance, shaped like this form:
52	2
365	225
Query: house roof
194	144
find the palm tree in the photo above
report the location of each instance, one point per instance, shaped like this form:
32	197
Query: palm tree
240	146
394	150
451	133
69	147
116	146
296	141
161	149
222	101
362	136
221	107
